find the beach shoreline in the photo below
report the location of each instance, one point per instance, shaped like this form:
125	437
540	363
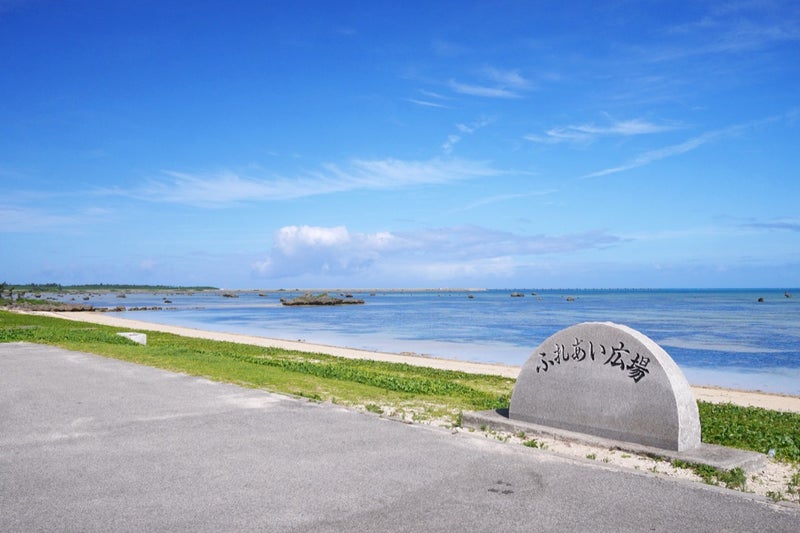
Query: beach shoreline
713	394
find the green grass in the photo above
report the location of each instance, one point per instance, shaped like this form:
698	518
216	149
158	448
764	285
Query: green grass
426	392
318	376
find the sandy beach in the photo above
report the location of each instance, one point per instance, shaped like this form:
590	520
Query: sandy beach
776	402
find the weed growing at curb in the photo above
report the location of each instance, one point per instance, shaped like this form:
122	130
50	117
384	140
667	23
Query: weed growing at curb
374	408
732	479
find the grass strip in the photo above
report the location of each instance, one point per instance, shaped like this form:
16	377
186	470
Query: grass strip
306	374
363	382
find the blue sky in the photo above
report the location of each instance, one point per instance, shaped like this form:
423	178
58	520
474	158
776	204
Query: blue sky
391	144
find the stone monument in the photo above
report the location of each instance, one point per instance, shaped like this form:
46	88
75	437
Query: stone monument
611	381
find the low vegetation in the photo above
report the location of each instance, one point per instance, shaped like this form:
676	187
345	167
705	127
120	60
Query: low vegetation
56	287
375	386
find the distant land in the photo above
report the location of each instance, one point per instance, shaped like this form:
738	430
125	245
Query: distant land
109	287
56	287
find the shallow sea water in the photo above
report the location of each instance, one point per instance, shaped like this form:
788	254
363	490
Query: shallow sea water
718	337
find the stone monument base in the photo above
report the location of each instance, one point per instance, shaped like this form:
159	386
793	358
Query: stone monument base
719	457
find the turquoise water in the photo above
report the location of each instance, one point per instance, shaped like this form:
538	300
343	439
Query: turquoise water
718	337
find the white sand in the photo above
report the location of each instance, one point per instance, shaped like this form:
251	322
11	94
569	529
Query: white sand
776	402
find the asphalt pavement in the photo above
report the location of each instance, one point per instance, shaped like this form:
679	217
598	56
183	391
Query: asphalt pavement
94	444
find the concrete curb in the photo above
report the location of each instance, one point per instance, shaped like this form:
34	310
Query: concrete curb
719	457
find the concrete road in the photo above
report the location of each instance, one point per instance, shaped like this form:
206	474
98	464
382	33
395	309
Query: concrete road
94	444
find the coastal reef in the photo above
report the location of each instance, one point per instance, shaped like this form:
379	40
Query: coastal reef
320	299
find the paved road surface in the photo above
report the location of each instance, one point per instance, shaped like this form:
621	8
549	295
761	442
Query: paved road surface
94	444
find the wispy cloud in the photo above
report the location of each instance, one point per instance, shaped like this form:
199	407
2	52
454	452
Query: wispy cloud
778	224
655	155
483	90
476	241
586	133
225	188
506	197
426	103
494	83
450	143
448	49
731	28
463	129
511	79
430	99
16	219
677	149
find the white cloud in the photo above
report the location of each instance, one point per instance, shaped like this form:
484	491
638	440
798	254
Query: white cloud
298	250
226	188
468	250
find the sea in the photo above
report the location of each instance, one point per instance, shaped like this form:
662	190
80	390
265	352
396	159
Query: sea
745	339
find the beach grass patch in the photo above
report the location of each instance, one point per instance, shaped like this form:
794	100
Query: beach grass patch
751	428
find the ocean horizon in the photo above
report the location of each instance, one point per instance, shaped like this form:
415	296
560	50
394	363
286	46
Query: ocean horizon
735	338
